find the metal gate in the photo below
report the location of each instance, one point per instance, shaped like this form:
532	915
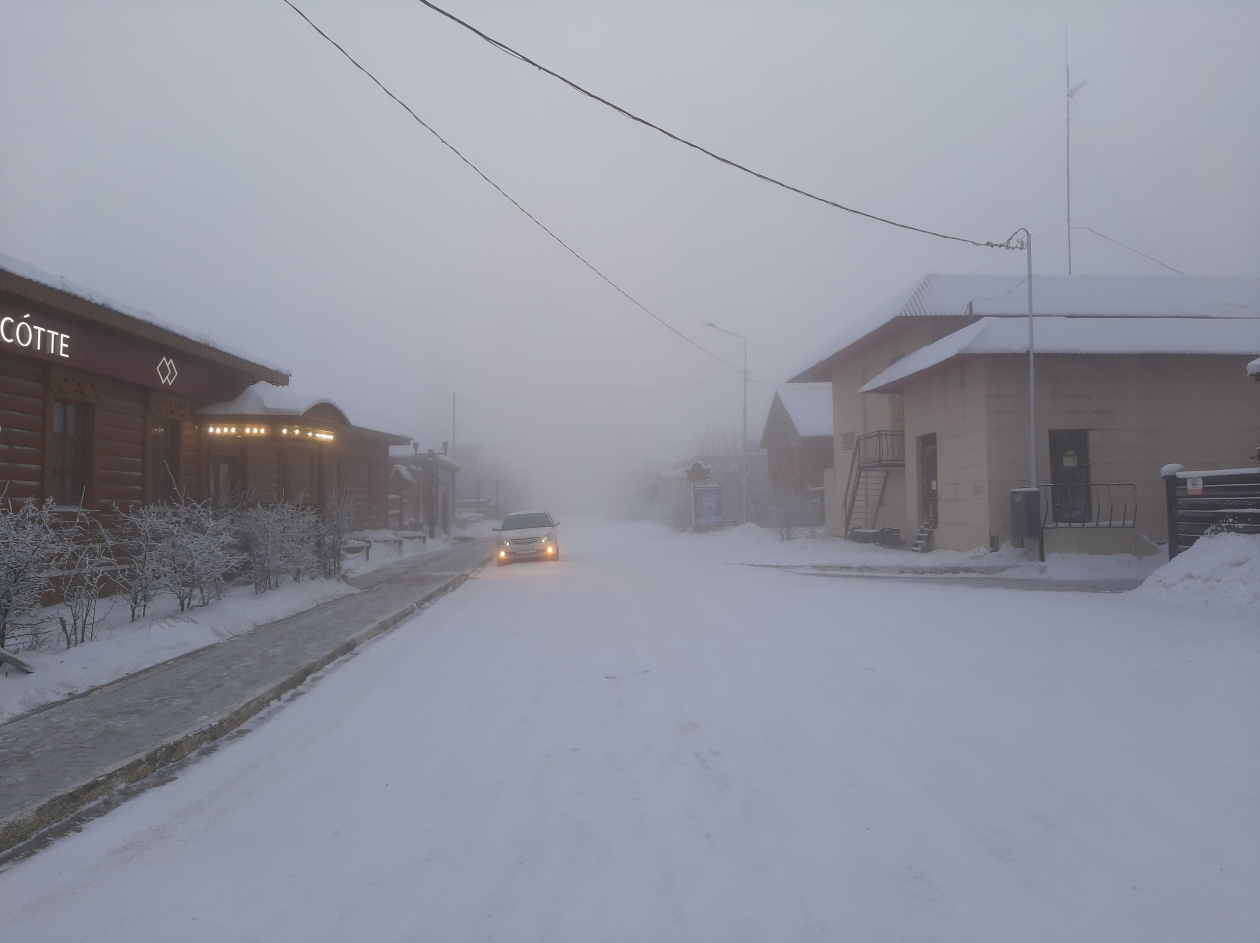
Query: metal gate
1208	502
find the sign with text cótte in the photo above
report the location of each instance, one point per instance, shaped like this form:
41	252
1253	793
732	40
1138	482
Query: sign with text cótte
29	333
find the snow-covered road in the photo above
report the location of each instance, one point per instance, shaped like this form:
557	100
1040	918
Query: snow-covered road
644	742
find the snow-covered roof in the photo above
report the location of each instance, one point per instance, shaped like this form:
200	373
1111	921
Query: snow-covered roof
264	399
809	407
406	454
1074	296
402	471
1059	335
1253	368
28	272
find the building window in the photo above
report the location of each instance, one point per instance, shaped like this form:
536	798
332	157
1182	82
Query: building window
164	449
67	453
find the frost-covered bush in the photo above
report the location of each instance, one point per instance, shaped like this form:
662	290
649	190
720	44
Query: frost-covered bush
85	563
303	531
31	546
199	554
281	541
336	522
141	543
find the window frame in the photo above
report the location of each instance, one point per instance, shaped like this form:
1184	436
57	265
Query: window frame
84	440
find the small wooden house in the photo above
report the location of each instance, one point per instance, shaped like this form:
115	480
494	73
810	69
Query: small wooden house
271	444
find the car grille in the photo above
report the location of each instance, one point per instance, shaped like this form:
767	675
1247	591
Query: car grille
525	540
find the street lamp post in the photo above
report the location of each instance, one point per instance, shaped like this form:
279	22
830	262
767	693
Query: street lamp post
1032	374
743	443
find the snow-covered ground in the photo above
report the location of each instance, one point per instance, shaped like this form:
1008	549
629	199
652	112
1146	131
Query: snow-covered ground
122	646
643	741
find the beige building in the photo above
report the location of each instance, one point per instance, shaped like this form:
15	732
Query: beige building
931	405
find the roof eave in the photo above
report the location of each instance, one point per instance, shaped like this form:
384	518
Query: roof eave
106	316
391	437
941	366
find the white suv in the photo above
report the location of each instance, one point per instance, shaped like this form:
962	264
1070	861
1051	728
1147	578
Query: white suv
527	534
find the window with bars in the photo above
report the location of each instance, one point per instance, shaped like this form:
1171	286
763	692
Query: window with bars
69	423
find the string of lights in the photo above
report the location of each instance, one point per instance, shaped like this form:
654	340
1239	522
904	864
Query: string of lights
503	47
504	193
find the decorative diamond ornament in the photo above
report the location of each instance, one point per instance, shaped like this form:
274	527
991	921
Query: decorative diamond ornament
166	371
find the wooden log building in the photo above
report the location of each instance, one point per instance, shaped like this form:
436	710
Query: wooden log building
102	406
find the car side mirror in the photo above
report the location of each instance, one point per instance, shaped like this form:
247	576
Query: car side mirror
495	529
555	523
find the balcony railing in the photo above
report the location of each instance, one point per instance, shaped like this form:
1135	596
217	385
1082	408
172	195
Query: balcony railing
883	449
1107	504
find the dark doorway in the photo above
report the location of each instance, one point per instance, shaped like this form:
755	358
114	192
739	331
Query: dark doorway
225	479
1069	476
165	455
927	477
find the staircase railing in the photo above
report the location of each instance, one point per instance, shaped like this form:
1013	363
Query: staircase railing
1105	504
885	448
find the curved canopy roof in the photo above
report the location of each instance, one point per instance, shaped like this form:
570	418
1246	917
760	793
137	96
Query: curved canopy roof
263	399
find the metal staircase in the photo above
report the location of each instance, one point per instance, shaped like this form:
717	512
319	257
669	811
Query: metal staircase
924	537
867	496
874	454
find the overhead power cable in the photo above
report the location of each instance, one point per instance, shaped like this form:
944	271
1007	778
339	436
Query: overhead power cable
504	47
504	193
1131	249
589	396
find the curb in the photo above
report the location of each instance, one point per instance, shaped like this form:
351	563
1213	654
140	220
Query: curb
27	822
892	568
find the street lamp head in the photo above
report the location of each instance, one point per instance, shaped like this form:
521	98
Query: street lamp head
709	324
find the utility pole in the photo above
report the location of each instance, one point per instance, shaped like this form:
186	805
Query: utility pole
454	417
743	442
1032	373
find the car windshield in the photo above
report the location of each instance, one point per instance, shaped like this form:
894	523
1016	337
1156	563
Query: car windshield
519	521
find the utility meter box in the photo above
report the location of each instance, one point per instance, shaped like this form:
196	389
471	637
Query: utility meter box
1026	514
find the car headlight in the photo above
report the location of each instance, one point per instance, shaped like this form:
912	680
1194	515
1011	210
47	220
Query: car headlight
504	542
546	537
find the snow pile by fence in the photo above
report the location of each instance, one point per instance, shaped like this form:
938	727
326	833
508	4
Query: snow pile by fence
1223	569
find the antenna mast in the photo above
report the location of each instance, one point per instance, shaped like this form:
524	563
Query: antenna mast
1067	104
1071	94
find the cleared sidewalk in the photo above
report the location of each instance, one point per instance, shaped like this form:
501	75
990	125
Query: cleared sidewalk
58	759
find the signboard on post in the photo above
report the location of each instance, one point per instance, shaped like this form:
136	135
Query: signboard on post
706	507
1194	487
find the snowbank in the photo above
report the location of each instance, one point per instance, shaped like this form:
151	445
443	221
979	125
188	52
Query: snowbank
386	548
751	544
123	647
1223	569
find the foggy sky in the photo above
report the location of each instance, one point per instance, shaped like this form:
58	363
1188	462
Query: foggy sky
219	164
